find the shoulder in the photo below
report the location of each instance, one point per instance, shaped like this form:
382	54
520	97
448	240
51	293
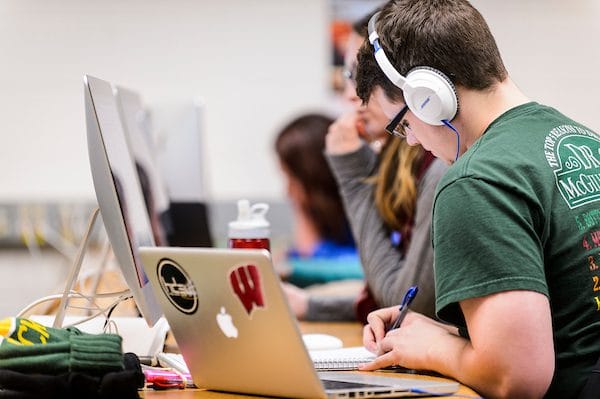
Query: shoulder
359	161
361	153
434	173
517	152
436	170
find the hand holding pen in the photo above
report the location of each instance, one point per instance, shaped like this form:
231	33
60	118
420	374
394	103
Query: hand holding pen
380	322
408	298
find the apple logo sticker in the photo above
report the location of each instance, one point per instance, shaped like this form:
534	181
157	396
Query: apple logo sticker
177	286
226	325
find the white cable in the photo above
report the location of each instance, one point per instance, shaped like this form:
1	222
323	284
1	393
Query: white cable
104	311
101	311
73	294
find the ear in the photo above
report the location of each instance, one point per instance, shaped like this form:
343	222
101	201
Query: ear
430	95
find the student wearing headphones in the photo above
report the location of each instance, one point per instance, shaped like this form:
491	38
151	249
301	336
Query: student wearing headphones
387	188
515	218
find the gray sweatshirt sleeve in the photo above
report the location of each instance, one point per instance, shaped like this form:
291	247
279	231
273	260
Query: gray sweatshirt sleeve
330	308
387	272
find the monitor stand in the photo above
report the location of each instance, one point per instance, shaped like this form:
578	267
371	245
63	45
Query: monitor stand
75	269
74	276
137	336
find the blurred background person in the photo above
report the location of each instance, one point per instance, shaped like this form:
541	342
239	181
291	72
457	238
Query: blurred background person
387	188
322	248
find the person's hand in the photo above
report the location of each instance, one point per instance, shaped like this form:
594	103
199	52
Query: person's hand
375	330
406	346
343	135
297	298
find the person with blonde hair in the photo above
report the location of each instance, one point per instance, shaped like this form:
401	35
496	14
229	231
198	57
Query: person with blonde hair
387	188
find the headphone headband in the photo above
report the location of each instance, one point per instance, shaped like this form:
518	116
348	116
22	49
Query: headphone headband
429	94
382	60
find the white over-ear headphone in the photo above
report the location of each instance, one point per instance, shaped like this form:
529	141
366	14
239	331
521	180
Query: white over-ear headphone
429	94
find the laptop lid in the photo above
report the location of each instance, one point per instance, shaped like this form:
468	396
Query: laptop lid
236	332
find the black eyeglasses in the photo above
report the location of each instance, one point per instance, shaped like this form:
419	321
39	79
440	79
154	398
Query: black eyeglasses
396	127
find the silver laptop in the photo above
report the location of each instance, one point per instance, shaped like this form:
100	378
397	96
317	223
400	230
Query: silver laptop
236	332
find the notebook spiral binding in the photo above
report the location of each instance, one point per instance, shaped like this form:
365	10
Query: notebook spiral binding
335	364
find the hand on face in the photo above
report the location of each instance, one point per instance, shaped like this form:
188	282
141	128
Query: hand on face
343	135
371	120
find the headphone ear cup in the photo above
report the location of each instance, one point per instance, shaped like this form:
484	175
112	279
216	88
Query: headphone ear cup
430	95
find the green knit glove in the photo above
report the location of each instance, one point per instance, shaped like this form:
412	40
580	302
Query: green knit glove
29	347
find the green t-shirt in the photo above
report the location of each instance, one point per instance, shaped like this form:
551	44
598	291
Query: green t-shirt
520	210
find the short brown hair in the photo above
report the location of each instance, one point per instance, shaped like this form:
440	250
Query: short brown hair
448	35
361	25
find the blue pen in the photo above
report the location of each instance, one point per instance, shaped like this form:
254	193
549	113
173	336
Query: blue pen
408	298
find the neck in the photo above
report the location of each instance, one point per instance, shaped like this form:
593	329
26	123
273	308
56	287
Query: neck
306	236
477	117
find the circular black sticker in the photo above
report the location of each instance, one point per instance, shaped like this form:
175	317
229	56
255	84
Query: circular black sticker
177	286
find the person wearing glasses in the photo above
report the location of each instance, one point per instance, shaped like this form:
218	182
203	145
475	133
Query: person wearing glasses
387	188
516	218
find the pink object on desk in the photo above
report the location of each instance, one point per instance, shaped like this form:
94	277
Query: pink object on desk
161	378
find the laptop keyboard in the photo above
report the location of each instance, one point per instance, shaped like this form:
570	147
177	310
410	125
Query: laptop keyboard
332	384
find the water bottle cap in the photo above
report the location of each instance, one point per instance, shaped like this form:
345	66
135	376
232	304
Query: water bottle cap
251	221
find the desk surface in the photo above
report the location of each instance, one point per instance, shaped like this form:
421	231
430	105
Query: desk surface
349	333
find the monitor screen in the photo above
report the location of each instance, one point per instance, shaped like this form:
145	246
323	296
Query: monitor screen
136	127
118	191
179	128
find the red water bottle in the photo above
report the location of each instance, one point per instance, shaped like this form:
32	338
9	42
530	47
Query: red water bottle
251	229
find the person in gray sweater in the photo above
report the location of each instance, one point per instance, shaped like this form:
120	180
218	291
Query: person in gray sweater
389	271
388	191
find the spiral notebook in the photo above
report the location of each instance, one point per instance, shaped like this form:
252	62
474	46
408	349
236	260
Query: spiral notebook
323	359
340	359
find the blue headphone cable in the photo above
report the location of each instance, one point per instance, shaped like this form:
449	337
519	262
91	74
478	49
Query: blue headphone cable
449	125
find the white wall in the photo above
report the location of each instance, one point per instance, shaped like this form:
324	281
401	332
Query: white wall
551	50
255	64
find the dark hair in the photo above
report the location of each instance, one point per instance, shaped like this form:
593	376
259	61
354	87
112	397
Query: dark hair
300	146
361	25
448	35
400	164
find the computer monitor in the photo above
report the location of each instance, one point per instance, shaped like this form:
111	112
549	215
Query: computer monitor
180	126
136	127
174	222
118	192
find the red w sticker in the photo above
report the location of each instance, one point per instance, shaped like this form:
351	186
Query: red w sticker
245	282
